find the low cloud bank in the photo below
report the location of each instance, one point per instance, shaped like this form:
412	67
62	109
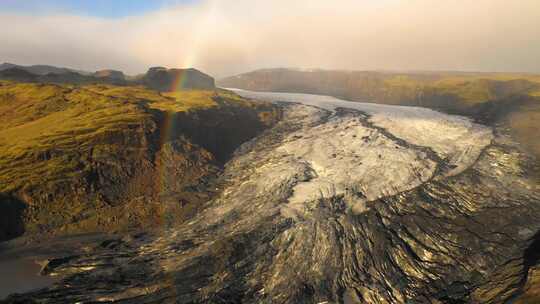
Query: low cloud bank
225	37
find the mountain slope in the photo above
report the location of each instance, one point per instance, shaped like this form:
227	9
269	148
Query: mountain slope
454	90
98	157
41	69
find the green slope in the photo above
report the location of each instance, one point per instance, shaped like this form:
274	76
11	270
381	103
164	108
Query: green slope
99	157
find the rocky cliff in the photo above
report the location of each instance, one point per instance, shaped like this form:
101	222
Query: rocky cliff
166	80
102	158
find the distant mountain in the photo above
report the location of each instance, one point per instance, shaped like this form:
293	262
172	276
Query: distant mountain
41	69
17	74
166	80
452	91
156	78
110	74
492	98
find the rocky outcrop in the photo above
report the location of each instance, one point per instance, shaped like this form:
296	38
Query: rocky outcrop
111	76
170	80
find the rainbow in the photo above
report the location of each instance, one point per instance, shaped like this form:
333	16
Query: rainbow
169	122
199	33
167	127
179	81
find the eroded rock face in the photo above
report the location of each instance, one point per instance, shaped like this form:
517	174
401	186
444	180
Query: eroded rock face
135	175
405	227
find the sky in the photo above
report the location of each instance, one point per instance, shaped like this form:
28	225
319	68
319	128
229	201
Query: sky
226	37
96	8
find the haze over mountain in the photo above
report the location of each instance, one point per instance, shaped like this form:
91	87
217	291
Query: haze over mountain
40	69
228	37
157	78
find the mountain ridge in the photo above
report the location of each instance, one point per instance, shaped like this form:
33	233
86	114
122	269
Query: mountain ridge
41	69
157	78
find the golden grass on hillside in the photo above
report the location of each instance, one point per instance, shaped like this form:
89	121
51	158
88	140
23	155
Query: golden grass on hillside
39	119
525	127
178	101
186	100
473	88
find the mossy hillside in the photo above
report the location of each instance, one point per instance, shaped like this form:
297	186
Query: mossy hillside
37	120
466	89
70	151
524	125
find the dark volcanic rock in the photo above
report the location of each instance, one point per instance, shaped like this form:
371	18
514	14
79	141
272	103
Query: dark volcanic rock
167	80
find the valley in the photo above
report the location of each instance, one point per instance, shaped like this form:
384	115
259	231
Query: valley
336	202
270	152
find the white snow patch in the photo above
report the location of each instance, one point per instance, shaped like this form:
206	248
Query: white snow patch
454	138
346	156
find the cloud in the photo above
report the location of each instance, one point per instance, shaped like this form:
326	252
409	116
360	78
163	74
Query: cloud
224	37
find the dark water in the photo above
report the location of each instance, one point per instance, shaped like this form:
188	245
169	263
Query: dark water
20	260
19	275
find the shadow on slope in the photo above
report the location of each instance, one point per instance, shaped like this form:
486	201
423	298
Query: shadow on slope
11	217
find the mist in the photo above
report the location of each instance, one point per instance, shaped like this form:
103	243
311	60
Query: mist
229	37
